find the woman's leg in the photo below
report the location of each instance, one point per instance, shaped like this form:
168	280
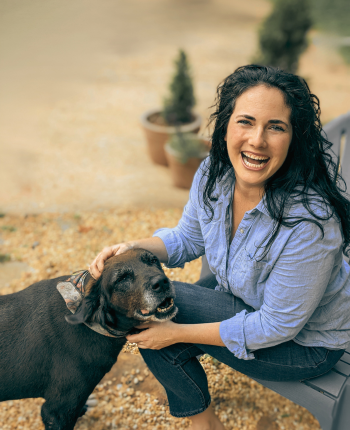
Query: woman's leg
208	281
183	377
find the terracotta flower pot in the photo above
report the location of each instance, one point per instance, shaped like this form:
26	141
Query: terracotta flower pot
182	174
157	134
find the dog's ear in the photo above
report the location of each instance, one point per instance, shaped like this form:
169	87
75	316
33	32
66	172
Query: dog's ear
81	315
89	305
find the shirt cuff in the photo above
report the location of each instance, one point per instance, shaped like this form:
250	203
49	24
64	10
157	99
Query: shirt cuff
232	334
172	247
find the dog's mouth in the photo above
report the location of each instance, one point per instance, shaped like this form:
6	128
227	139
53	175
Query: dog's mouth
165	310
166	305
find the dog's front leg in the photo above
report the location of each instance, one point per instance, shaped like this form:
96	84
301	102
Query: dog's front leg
62	415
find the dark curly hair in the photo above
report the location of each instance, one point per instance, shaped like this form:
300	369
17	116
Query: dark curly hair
309	166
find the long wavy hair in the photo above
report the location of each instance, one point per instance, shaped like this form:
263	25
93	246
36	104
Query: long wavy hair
309	168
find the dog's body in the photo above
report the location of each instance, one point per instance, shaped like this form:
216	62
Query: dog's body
41	355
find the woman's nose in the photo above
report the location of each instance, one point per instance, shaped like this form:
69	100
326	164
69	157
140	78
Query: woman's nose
257	138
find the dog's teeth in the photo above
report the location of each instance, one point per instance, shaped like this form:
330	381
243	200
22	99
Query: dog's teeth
162	310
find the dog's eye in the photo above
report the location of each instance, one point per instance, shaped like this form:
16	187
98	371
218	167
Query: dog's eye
124	277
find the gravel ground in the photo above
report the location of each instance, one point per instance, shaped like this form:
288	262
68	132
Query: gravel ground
128	397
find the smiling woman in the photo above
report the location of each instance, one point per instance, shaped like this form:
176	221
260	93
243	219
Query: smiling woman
268	210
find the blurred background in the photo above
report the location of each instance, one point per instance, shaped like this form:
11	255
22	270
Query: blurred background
75	76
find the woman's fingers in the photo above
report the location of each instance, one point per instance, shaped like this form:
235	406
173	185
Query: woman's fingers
103	256
97	265
94	272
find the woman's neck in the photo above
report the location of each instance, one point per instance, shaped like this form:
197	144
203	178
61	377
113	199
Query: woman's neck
250	195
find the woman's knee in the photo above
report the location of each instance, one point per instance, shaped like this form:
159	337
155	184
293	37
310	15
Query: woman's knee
176	354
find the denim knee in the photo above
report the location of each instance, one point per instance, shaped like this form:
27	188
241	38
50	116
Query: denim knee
176	354
182	376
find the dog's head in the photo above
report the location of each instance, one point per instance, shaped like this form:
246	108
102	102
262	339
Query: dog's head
133	287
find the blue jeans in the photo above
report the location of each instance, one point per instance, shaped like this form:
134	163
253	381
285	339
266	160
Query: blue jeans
179	371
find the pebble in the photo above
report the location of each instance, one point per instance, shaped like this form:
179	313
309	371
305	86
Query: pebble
91	403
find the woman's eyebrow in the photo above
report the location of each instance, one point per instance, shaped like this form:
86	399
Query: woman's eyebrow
271	121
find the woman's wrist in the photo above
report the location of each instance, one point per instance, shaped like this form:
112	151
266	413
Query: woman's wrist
152	244
206	333
179	333
133	244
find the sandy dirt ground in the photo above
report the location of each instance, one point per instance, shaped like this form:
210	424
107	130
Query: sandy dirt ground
75	77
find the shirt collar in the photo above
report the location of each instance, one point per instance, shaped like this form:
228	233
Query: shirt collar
227	186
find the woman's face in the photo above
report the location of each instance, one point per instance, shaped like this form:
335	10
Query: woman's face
258	135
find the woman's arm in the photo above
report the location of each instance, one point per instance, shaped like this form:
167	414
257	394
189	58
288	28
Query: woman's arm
162	334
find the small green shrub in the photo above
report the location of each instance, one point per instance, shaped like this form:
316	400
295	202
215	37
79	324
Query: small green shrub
345	52
177	108
283	34
331	15
8	228
4	258
187	145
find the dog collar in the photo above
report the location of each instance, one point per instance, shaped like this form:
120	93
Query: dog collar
73	291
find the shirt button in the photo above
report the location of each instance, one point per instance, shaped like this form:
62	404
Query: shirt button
241	230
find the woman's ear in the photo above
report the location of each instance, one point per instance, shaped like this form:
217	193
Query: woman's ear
81	315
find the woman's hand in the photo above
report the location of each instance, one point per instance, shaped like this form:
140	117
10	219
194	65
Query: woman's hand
157	335
97	265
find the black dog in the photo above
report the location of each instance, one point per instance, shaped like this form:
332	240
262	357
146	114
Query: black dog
46	351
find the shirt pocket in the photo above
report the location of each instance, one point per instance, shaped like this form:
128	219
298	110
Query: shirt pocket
250	275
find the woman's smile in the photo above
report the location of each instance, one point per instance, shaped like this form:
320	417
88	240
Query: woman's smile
254	161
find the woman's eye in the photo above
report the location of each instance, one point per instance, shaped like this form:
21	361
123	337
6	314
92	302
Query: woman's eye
277	128
243	121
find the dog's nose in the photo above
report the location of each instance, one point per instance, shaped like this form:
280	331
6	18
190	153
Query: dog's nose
160	283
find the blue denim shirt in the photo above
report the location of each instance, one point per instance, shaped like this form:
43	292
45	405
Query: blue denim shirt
300	289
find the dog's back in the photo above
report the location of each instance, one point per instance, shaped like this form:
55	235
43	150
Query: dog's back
37	345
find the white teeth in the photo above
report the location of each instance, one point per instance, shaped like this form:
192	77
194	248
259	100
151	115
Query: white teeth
255	157
246	162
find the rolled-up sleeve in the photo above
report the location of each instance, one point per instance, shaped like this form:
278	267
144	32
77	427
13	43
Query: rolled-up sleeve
292	292
185	242
232	334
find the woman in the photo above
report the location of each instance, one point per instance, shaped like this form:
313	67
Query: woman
268	213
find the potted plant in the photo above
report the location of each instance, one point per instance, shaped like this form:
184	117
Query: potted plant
184	153
176	113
